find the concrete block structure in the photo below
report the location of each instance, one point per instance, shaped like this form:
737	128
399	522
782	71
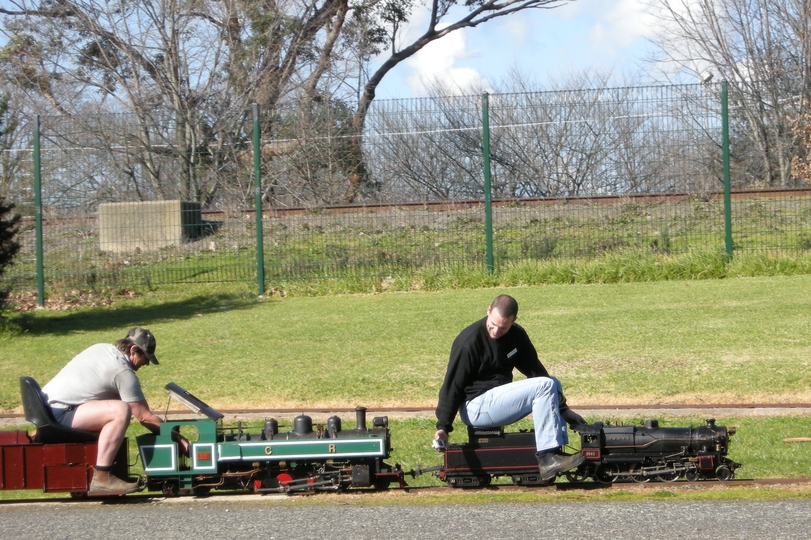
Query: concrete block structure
129	227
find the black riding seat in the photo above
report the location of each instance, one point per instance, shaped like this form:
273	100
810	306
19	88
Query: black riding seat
39	413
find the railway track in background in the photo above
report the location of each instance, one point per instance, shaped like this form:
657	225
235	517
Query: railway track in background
753	409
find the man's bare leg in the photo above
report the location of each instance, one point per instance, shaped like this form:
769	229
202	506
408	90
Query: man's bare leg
110	419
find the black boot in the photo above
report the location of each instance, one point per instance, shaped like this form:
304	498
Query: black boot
552	464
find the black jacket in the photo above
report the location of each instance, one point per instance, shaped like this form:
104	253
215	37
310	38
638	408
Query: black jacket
478	363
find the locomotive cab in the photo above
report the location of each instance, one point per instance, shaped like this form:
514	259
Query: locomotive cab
161	455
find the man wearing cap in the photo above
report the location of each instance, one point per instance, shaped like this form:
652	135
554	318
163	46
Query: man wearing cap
98	391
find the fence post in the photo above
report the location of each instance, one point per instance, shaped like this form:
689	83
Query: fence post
488	211
38	217
725	144
257	177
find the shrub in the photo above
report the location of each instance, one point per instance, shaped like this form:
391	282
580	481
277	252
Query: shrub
8	242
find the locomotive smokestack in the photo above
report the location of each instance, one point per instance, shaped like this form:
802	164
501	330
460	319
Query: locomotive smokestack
360	418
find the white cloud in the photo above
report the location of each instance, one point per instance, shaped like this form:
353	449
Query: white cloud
629	20
620	25
436	63
518	29
585	34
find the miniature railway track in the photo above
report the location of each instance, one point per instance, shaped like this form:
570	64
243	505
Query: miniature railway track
783	408
140	498
430	411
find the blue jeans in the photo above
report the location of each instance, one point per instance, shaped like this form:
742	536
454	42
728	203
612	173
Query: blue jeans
511	402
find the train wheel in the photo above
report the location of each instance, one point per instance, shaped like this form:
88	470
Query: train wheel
381	484
578	475
78	495
724	473
478	481
170	489
692	475
201	491
667	477
636	474
607	474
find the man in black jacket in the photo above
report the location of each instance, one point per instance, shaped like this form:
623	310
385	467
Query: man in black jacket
479	385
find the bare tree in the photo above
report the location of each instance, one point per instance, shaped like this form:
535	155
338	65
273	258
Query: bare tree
160	61
761	47
10	158
427	150
574	137
188	69
438	26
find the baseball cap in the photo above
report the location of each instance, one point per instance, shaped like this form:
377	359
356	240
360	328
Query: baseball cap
146	341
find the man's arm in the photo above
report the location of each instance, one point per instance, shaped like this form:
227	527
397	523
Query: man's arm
568	415
148	419
528	362
452	393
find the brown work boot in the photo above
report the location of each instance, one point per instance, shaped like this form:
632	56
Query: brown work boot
100	487
552	464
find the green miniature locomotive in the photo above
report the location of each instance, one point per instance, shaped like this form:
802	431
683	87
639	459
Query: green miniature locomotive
307	458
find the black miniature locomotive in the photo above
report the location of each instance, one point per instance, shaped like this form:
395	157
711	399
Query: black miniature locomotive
641	454
613	453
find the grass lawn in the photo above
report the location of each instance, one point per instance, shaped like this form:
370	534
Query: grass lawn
741	340
737	340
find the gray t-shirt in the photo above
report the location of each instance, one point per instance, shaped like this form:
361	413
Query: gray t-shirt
97	373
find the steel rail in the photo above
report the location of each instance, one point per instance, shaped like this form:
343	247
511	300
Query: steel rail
430	411
150	498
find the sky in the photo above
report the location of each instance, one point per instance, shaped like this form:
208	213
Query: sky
604	35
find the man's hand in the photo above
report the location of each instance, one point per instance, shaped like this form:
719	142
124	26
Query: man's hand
440	440
572	418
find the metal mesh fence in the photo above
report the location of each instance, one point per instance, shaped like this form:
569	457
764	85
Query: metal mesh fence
132	201
772	221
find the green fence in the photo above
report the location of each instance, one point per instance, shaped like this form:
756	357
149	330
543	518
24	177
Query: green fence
572	174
